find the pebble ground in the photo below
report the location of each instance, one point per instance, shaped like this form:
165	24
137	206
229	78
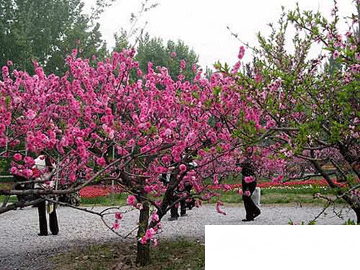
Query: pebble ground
22	248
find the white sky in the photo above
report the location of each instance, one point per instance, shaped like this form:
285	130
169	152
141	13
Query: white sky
201	24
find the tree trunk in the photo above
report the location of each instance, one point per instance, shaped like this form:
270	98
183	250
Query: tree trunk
143	250
354	204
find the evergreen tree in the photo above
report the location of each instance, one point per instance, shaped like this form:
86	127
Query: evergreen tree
46	31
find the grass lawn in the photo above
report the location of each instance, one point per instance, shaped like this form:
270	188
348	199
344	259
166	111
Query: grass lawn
175	254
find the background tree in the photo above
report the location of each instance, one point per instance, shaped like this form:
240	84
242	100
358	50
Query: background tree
85	39
170	55
312	109
47	31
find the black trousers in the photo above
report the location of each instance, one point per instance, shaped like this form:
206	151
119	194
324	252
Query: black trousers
250	207
183	203
54	227
174	210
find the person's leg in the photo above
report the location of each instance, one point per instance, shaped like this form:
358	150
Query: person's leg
247	204
183	207
174	213
54	226
173	210
190	203
42	218
251	209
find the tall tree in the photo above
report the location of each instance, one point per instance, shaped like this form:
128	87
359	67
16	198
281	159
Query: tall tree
170	55
177	57
42	30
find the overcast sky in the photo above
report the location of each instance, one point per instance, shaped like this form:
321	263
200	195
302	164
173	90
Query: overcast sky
202	24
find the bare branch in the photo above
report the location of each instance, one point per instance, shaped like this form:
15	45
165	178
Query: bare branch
19	204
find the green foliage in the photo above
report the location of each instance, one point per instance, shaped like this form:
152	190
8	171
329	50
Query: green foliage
46	31
5	166
153	50
86	40
350	222
313	101
121	41
170	254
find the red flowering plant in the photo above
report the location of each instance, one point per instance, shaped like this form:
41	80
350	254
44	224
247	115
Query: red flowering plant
94	191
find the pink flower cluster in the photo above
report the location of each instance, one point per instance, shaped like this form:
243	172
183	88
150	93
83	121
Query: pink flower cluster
93	191
118	217
131	200
241	52
218	204
249	179
149	235
247	193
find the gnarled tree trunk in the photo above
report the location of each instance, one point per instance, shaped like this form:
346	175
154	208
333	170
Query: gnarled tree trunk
353	203
143	250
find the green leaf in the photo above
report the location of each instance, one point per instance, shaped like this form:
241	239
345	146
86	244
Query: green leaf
217	90
7	101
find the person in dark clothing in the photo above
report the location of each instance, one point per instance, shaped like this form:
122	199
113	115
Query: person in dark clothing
187	203
248	187
166	179
53	222
175	196
41	207
184	203
40	163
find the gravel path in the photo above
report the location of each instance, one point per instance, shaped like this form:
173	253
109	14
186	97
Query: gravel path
19	241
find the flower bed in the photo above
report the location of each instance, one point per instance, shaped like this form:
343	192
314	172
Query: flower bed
99	191
94	191
102	191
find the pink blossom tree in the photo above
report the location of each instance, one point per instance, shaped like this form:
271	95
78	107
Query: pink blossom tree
95	123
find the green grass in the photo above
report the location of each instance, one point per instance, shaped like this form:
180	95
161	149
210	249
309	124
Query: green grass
308	189
275	195
280	195
176	254
13	199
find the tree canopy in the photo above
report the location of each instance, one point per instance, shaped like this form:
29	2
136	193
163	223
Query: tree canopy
170	55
